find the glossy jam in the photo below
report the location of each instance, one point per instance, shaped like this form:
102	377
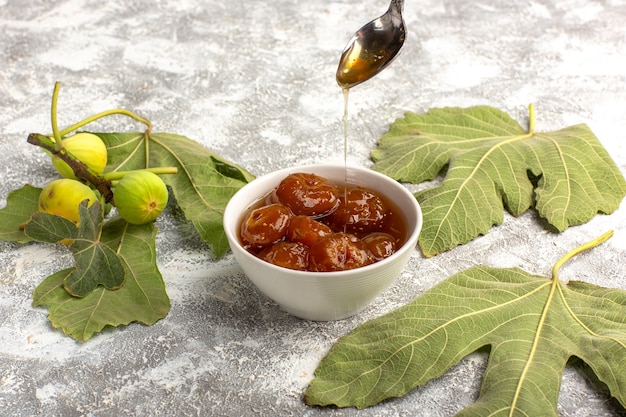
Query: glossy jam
367	229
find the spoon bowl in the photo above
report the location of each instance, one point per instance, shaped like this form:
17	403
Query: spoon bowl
373	47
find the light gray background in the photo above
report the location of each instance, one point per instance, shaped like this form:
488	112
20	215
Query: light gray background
254	81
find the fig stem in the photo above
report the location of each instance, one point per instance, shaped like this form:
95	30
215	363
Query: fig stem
113	176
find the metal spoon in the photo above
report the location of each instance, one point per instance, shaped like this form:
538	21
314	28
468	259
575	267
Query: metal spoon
372	48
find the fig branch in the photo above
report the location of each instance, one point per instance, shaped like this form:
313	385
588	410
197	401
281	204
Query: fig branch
81	170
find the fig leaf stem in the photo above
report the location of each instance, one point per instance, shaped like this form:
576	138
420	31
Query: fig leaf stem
531	119
589	245
106	113
58	144
113	176
58	134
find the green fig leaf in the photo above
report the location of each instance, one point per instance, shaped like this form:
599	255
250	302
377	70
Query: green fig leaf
142	298
96	263
204	184
493	163
50	228
20	205
532	325
228	170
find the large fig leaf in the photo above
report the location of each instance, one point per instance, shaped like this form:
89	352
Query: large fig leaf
96	263
20	205
532	324
204	184
142	298
493	163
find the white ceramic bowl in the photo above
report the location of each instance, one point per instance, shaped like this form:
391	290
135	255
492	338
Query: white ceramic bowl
323	296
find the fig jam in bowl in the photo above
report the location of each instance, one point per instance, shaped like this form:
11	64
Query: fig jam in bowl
323	292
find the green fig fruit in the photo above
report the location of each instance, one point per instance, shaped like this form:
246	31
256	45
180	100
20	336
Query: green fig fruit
140	197
88	148
63	197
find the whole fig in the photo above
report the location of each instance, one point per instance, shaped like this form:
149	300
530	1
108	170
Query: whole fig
63	197
88	148
140	197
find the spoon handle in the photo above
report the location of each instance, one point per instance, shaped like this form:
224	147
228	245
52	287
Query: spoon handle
396	6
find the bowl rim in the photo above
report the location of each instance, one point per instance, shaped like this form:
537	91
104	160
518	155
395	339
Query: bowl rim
297	274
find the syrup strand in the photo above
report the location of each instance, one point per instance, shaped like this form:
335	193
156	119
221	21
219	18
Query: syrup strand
346	92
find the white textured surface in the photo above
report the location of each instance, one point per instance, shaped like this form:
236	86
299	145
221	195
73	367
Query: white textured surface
254	81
